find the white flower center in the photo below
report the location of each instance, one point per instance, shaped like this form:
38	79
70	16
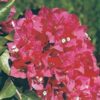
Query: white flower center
40	79
68	38
44	93
13	24
15	49
63	40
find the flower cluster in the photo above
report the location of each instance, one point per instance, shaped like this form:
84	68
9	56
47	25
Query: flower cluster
53	51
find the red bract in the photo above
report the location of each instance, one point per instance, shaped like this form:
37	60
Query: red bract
7	25
52	50
3	0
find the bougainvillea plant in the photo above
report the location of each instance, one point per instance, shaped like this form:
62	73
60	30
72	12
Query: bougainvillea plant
53	52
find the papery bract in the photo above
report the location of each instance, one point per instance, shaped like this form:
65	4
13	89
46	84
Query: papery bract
52	50
7	25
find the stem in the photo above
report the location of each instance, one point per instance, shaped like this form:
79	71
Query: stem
18	94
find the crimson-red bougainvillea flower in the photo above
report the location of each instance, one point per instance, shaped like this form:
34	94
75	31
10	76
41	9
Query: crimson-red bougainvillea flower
3	0
7	25
52	50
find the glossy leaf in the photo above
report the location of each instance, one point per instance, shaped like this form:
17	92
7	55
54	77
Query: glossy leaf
29	95
2	48
8	90
9	37
2	44
4	65
2	40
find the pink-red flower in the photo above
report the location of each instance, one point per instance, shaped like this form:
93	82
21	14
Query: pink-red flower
52	50
7	25
3	0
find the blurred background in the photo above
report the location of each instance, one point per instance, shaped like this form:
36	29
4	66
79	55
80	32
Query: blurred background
88	12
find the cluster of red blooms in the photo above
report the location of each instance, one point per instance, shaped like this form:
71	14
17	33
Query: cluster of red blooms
54	53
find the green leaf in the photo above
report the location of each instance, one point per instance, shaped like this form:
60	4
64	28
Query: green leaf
4	65
5	10
2	40
8	90
9	37
30	95
2	49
